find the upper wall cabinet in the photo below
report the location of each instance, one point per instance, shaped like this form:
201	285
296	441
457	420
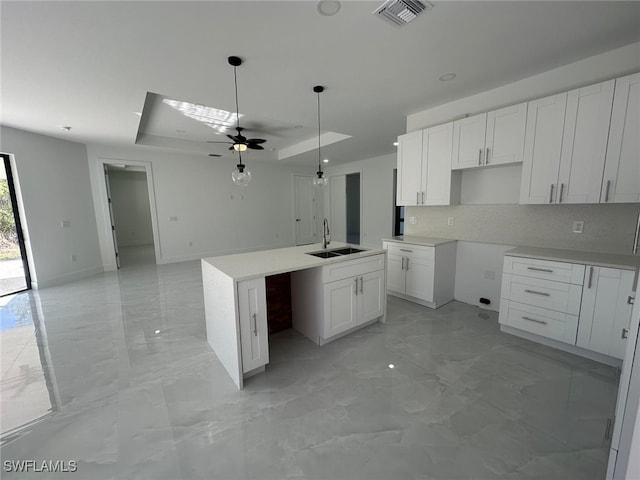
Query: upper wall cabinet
621	182
424	168
493	138
410	171
565	145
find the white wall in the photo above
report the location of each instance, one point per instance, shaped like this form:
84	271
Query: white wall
131	209
53	180
199	212
376	189
489	214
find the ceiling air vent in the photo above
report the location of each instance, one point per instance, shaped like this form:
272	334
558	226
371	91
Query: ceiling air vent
401	12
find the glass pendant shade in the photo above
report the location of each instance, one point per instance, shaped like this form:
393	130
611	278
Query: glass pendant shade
241	176
320	181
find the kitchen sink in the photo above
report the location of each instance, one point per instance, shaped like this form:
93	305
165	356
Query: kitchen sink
337	252
324	254
347	251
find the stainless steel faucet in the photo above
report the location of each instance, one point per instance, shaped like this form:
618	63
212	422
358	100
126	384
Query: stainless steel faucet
326	238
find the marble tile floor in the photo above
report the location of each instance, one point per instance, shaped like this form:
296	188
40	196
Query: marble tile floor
114	372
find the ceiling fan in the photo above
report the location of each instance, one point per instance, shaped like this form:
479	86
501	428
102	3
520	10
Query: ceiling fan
239	143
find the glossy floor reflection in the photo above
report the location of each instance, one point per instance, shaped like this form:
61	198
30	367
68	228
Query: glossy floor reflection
114	372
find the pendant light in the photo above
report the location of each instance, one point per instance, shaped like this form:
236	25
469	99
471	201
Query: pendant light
240	176
320	181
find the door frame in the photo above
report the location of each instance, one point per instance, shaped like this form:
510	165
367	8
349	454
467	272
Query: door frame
16	206
104	225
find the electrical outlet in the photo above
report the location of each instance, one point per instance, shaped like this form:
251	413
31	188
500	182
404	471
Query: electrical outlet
73	258
578	226
450	221
413	220
173	219
65	223
489	275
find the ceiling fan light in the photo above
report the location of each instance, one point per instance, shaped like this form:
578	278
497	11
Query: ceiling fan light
241	176
239	147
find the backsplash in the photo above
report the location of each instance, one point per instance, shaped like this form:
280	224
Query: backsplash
607	227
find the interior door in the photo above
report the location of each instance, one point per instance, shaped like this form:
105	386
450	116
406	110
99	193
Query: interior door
304	210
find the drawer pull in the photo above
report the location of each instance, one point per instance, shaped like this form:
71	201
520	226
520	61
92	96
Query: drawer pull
405	250
540	269
538	293
534	320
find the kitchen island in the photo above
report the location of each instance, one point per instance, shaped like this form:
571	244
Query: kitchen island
330	297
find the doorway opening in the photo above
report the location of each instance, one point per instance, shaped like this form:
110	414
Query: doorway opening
343	206
304	204
398	211
353	208
130	212
14	268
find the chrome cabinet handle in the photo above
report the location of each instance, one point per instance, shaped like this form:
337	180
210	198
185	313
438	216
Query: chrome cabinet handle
534	320
255	325
423	198
631	300
590	277
402	267
407	267
625	333
356	285
361	284
551	194
540	269
561	190
480	157
606	191
405	250
544	294
486	157
417	198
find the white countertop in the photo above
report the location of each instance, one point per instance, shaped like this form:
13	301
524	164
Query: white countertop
244	266
415	240
612	260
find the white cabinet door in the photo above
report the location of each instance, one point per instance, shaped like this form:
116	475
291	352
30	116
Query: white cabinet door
468	142
504	140
409	183
395	273
371	296
584	143
340	306
542	148
419	278
605	312
437	145
621	182
252	309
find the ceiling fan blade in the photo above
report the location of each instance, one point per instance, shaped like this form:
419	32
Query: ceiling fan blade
256	140
232	137
231	148
255	147
212	141
215	155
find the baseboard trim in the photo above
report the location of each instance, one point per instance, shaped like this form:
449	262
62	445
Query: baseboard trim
67	277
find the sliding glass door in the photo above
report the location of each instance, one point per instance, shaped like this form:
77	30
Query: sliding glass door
14	272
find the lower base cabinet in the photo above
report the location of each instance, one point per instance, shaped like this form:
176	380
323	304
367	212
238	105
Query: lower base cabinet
585	306
252	310
338	298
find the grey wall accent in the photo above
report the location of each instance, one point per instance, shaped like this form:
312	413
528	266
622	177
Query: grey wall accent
607	228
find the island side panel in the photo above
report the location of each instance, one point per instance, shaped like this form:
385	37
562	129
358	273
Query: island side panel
223	326
307	303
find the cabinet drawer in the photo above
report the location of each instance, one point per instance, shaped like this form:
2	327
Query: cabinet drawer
414	251
558	296
544	269
351	268
547	323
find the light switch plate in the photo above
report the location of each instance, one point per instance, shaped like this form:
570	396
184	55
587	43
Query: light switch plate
450	221
578	226
413	220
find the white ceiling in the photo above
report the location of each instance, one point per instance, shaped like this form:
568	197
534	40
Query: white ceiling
90	65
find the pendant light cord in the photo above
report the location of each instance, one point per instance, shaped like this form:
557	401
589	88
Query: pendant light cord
319	155
235	82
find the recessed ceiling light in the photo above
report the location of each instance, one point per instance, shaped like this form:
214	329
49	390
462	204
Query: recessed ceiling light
326	160
391	366
395	144
138	113
66	128
181	131
157	332
447	76
327	8
297	126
